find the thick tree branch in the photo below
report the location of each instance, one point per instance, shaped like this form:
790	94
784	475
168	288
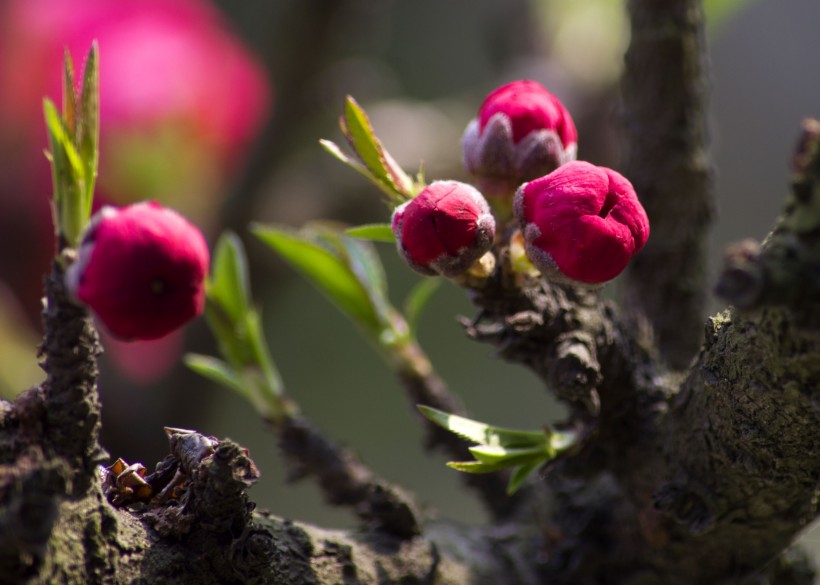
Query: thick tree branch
709	482
70	424
667	159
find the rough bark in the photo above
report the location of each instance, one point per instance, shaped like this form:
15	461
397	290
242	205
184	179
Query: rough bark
697	477
667	159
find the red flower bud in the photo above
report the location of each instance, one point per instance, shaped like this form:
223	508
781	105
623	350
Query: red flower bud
581	223
141	270
522	132
444	229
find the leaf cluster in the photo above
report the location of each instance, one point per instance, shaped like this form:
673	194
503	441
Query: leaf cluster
74	137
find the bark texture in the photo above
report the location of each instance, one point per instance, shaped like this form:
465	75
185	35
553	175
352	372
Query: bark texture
665	90
703	476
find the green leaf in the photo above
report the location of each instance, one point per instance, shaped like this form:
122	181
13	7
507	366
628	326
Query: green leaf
250	383
363	260
69	94
497	454
500	448
215	370
62	141
359	256
236	325
359	132
68	176
475	466
325	270
383	168
353	163
560	441
74	147
485	434
387	188
273	387
417	300
229	283
375	232
231	335
88	127
521	473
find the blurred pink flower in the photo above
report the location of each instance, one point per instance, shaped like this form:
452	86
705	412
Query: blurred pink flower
161	61
181	102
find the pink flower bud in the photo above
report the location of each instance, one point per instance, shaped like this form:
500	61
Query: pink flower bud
581	223
141	270
444	229
522	132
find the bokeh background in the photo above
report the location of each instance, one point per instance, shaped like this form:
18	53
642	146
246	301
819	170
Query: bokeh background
216	108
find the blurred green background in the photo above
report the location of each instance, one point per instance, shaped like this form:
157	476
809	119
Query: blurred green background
421	69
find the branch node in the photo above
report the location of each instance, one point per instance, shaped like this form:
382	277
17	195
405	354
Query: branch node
686	506
741	282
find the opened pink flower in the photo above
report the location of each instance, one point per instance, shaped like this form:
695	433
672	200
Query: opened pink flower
581	223
141	269
444	229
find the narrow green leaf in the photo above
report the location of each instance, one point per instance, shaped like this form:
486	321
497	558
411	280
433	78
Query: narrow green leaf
327	272
357	166
520	474
61	140
69	94
482	433
229	283
215	370
421	181
68	176
273	385
60	170
243	345
417	300
250	369
358	256
88	130
375	232
337	153
401	179
509	457
231	336
250	383
359	132
561	441
365	263
468	429
475	466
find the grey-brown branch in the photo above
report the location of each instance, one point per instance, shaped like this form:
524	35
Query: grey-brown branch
665	137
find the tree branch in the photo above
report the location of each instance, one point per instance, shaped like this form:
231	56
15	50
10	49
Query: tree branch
345	481
667	159
707	482
423	386
698	480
